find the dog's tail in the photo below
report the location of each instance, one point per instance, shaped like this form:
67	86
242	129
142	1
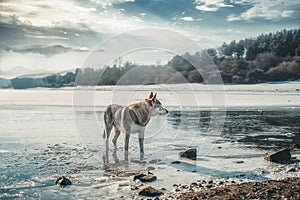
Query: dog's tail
108	120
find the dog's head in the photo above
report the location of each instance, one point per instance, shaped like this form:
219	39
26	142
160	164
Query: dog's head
156	107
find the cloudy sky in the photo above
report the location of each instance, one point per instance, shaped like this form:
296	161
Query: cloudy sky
56	35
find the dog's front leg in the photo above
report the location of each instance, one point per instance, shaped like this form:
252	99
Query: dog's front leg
141	143
127	136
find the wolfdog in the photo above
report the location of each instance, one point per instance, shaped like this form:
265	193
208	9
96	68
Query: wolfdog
131	119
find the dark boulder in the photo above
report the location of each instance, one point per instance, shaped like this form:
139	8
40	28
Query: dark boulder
190	154
149	191
297	145
175	162
63	181
145	178
281	156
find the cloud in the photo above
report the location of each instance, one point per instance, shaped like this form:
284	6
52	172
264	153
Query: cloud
26	34
45	13
42	49
269	10
253	9
92	15
189	19
233	17
211	5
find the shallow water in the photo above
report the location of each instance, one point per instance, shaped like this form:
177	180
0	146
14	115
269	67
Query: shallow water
40	143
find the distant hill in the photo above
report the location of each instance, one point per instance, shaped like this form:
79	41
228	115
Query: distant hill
269	57
266	58
21	71
5	83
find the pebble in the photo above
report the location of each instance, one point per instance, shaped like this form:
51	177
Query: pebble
155	161
175	162
184	186
145	178
149	191
125	184
63	181
193	184
221	183
151	168
293	169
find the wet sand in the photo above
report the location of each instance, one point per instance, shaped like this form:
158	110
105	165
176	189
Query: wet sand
31	173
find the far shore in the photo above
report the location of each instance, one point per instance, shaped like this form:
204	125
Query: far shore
173	95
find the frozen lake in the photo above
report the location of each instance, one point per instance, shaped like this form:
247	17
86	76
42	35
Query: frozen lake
47	133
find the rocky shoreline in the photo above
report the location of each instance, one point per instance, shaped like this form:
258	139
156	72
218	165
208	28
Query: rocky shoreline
288	188
282	189
231	188
226	188
141	185
151	179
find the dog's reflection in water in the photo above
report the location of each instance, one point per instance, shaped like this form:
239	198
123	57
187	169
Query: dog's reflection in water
106	159
114	163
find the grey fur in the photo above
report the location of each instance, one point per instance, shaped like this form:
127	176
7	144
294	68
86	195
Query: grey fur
131	119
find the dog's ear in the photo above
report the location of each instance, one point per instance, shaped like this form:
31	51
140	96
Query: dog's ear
151	95
149	101
154	97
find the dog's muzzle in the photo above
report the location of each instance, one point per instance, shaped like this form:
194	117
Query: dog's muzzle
164	112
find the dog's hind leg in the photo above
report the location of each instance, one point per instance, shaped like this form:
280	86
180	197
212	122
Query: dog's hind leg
107	118
107	131
117	133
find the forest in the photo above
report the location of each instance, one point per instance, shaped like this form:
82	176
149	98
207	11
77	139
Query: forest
267	58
